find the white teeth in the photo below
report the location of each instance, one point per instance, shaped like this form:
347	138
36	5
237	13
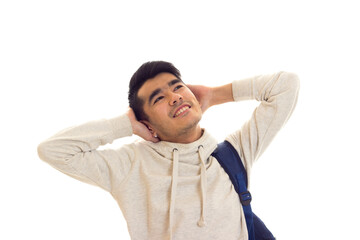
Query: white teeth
181	110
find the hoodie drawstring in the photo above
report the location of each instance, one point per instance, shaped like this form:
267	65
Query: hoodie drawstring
202	222
175	173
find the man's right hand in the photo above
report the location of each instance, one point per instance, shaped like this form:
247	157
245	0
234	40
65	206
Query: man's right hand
139	128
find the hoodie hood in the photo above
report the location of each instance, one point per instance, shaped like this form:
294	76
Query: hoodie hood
196	153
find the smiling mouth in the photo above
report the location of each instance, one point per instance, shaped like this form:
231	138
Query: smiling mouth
181	110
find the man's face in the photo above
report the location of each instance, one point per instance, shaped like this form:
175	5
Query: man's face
171	107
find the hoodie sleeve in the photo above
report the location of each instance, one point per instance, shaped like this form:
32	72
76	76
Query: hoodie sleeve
277	94
74	152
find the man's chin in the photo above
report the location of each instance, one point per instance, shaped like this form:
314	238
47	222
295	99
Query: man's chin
192	124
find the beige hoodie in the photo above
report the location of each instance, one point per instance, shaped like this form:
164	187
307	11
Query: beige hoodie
169	190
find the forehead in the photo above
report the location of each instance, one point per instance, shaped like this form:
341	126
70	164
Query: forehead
160	81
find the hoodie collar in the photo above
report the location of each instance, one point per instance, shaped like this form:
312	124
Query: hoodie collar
186	151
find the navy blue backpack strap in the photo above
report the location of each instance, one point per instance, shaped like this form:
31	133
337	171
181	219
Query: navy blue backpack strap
230	161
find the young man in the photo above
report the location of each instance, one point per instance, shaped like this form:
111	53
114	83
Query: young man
168	185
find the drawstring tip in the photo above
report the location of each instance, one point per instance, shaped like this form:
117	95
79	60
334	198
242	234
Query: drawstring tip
201	223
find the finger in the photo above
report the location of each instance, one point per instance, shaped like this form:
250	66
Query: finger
155	140
151	138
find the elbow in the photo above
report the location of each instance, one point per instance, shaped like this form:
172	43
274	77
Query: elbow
291	80
41	150
47	153
50	152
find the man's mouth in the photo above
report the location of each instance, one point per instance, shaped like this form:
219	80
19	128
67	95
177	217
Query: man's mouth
181	109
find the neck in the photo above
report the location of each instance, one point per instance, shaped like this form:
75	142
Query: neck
186	135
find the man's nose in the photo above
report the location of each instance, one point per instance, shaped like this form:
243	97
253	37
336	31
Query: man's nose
175	99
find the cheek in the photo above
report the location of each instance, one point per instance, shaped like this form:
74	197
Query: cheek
188	95
191	96
159	112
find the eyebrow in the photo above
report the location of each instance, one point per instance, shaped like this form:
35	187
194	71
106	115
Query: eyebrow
159	90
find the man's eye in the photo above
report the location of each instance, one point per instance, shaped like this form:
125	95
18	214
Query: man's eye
177	87
158	99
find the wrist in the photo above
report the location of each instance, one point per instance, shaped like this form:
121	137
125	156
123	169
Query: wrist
132	120
222	94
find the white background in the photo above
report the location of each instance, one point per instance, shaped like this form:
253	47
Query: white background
67	62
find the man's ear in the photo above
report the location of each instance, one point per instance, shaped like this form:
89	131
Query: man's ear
151	129
148	125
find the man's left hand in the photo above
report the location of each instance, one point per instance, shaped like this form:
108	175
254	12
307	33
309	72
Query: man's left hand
203	94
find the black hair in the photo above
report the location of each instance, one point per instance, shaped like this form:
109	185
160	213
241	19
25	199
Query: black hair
145	72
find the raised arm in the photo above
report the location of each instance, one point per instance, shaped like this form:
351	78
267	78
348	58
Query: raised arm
277	94
74	152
